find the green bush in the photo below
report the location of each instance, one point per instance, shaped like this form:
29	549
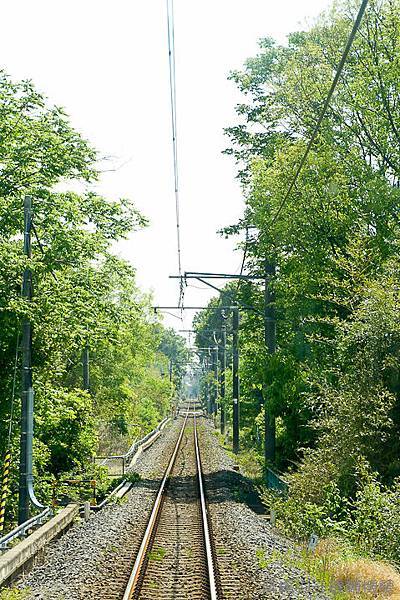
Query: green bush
13	594
299	519
375	520
67	427
370	521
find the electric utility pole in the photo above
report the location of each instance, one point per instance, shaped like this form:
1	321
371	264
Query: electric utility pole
216	379
213	371
208	399
223	369
26	375
26	492
270	343
235	378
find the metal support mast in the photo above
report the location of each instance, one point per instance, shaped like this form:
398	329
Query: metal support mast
26	375
270	343
208	398
26	492
222	381
235	379
216	380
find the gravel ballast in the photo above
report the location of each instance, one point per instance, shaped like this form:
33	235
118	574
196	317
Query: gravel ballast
79	562
88	556
246	540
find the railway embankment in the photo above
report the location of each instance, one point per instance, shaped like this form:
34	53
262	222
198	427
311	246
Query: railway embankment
94	558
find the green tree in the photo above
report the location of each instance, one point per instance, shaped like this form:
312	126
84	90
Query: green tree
82	293
335	234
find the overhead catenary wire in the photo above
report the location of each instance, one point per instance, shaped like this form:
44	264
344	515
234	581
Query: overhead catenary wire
52	273
54	276
325	106
245	250
197	287
172	84
170	314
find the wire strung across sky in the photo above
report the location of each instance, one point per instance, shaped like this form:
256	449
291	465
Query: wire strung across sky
246	246
172	82
321	117
325	106
54	276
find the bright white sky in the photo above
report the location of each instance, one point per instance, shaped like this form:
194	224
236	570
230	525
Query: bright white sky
107	64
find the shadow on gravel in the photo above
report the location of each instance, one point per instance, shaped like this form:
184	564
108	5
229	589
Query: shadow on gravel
230	485
221	486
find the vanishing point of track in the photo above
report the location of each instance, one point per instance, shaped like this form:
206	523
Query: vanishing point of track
176	558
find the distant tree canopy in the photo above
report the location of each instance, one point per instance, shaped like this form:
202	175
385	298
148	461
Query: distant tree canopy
174	347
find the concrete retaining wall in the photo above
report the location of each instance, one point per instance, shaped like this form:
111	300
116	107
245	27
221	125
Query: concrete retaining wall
146	445
12	561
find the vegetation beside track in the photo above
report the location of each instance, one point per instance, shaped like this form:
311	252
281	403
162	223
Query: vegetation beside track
333	384
14	594
83	295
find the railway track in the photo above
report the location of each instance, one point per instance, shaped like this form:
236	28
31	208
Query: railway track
176	558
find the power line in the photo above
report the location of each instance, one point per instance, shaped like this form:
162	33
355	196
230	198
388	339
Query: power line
172	85
43	252
339	70
246	245
42	249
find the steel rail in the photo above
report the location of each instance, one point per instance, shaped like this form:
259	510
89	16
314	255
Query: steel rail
205	523
148	537
137	568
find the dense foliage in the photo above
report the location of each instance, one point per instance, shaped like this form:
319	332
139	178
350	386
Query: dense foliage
333	383
82	294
